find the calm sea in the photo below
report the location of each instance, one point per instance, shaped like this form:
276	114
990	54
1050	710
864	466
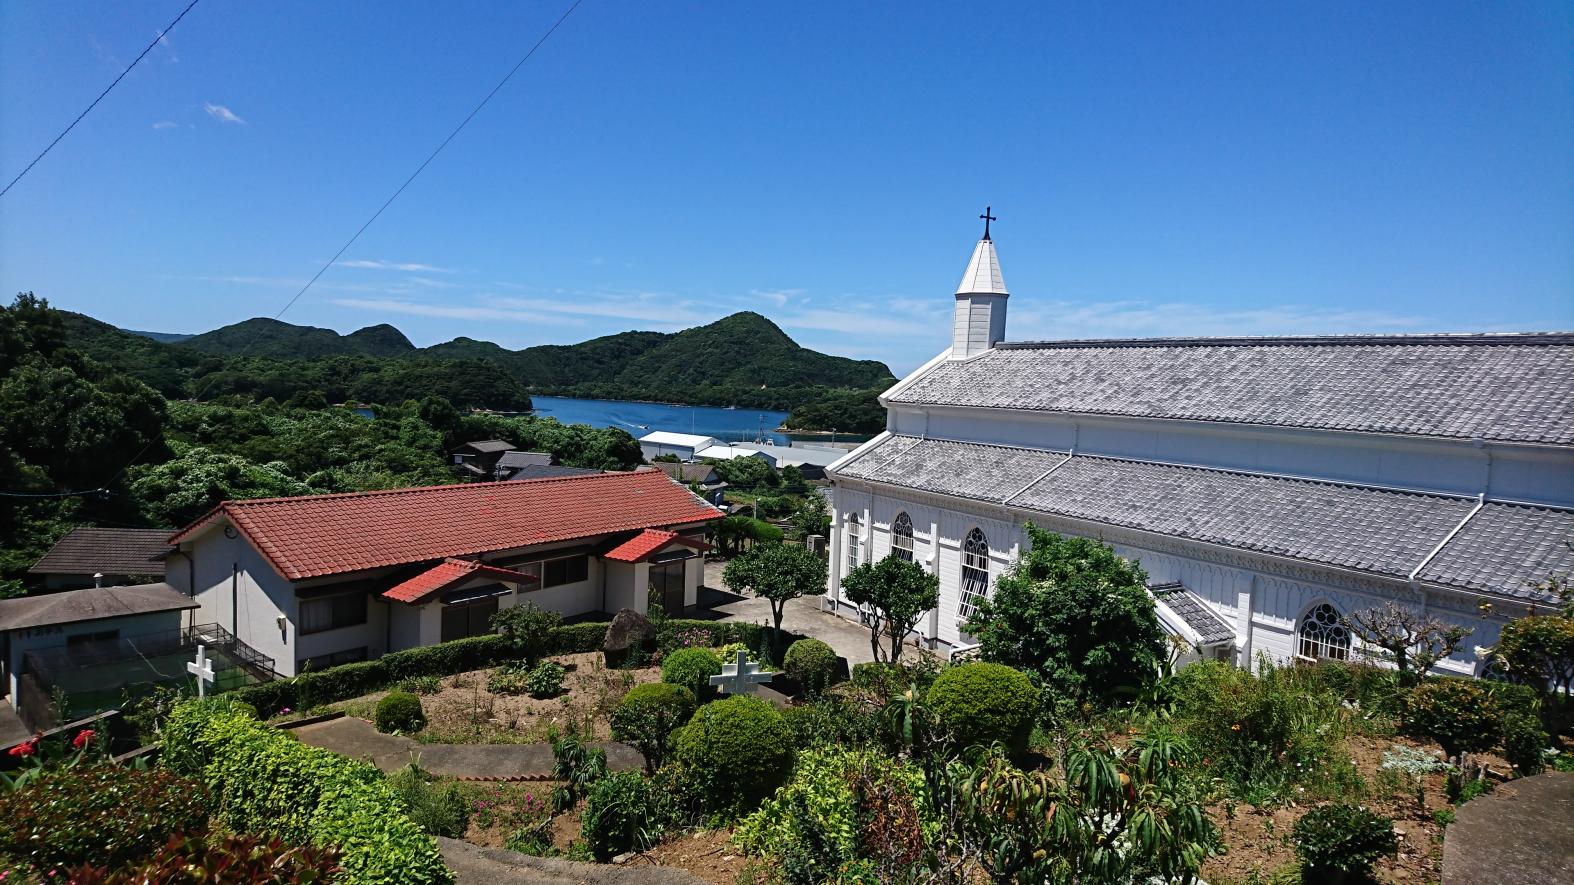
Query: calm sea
728	425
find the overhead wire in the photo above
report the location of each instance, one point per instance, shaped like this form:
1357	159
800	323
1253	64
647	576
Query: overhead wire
197	395
156	40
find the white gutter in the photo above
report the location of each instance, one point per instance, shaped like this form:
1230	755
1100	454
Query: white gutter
1481	501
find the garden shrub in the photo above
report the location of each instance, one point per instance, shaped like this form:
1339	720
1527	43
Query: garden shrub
263	780
1336	841
527	627
887	680
545	680
622	813
204	859
420	685
740	750
692	668
1266	733
833	721
647	716
400	711
829	799
978	704
1374	691
579	767
812	664
101	814
1525	742
440	809
508	679
1457	713
574	639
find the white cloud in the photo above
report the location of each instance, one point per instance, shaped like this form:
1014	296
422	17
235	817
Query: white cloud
778	297
861	321
379	264
166	124
451	311
221	113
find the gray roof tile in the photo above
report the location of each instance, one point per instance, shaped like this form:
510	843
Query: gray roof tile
1499	387
1190	608
1501	550
85	550
1506	548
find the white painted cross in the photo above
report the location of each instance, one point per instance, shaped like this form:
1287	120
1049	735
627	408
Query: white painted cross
202	668
739	677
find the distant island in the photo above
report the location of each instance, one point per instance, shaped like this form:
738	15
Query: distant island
742	360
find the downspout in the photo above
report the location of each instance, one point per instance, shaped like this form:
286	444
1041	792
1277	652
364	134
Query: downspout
235	600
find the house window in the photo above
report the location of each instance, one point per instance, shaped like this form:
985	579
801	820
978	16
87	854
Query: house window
332	612
975	573
854	534
667	584
557	572
465	619
902	537
1323	636
332	659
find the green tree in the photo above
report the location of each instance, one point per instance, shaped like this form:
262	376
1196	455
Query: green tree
183	488
898	592
812	517
1410	640
746	473
1538	651
778	573
1075	613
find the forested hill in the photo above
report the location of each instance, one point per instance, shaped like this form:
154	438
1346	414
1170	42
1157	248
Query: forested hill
743	360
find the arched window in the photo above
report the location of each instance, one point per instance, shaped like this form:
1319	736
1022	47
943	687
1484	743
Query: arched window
975	572
1322	636
902	537
854	538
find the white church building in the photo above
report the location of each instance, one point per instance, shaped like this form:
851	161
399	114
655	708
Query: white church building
1268	486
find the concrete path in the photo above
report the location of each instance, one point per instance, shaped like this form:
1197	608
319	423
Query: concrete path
474	865
1521	833
357	739
803	615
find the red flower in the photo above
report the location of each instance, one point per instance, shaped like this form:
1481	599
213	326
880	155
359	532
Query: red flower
25	749
82	739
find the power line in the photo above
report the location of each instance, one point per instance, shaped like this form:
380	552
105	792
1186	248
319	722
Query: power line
197	395
161	35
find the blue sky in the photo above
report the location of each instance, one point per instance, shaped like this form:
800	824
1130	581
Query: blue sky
1163	169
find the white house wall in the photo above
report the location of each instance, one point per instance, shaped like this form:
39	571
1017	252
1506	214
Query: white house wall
39	638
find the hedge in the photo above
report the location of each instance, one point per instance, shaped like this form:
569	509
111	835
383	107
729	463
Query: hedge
264	780
315	688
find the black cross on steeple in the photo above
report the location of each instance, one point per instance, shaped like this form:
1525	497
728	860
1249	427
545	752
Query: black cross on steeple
987	218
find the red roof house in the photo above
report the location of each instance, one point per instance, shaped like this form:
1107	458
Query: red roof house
324	579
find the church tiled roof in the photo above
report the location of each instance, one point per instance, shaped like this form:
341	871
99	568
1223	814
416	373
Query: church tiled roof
1509	387
1502	549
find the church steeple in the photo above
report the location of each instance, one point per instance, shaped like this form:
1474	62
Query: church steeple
980	320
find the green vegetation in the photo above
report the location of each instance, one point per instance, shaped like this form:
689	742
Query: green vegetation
779	573
622	813
400	711
1077	615
1457	713
647	716
743	360
739	749
692	668
812	664
979	704
263	780
1336	841
439	809
898	592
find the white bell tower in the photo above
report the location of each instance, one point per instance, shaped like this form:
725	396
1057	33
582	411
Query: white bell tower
980	321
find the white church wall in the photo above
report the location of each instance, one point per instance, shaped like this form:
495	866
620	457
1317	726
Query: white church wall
1540	475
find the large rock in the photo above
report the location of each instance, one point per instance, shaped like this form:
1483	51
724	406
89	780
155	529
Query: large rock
628	631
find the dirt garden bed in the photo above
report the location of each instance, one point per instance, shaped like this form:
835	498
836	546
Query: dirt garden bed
462	711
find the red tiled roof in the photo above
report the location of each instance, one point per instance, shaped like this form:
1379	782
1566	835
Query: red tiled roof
648	542
316	535
446	574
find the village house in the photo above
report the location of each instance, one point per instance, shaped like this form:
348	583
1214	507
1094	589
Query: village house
90	556
1268	486
326	579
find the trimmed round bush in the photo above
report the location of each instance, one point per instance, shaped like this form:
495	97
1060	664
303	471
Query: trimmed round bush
740	749
691	668
1339	841
647	716
400	711
812	664
1457	713
1525	743
979	704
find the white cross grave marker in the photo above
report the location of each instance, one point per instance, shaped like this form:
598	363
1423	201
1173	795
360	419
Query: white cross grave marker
739	677
202	668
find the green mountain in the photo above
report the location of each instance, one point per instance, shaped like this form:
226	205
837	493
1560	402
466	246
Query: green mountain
743	360
162	337
262	337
